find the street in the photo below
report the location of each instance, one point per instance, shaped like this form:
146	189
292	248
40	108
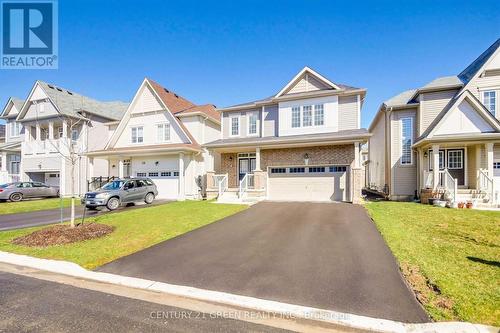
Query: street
30	304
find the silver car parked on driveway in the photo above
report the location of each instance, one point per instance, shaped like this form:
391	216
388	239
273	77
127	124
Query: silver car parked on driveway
24	190
121	191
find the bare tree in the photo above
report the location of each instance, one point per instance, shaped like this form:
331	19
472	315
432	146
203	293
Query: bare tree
70	148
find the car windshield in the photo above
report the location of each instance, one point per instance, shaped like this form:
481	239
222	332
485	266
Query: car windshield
114	185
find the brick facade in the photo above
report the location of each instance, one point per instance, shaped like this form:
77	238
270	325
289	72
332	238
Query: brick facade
340	155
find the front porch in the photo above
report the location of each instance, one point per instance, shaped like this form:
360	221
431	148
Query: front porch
10	163
308	173
461	172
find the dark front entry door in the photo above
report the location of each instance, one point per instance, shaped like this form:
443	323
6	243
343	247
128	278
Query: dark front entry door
455	162
245	165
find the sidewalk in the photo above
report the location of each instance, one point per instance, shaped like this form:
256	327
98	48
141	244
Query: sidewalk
324	318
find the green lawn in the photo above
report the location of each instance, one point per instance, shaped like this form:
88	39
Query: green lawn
135	230
33	205
457	250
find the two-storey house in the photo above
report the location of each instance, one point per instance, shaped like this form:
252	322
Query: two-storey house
302	143
60	128
444	136
161	137
10	149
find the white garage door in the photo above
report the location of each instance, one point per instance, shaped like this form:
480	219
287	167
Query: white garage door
308	183
167	183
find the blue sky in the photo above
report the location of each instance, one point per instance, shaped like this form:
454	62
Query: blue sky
228	52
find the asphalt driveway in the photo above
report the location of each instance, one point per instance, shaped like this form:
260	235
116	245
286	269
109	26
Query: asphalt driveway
43	217
328	256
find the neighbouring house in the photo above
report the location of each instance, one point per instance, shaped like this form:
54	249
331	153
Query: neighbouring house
10	149
161	137
444	136
60	128
2	133
301	144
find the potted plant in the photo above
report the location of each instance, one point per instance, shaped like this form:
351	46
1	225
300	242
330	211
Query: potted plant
468	205
461	205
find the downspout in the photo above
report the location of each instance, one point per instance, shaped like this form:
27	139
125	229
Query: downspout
388	168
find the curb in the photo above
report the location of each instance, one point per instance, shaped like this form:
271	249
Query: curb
246	302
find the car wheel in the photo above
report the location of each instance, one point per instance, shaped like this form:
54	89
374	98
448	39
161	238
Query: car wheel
113	203
150	197
16	197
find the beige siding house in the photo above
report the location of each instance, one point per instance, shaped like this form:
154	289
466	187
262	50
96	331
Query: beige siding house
160	137
443	136
301	144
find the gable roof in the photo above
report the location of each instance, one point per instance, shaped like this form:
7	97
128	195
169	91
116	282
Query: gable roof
16	102
403	98
72	104
468	73
307	70
282	93
177	104
454	102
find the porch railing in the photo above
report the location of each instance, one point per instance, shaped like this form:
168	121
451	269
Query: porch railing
487	184
221	183
97	182
449	183
246	182
428	179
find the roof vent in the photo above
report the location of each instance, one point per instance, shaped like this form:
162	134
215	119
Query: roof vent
51	87
176	95
166	90
59	89
69	92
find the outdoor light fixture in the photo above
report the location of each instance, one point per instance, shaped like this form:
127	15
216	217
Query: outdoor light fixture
156	163
306	158
425	154
113	166
143	162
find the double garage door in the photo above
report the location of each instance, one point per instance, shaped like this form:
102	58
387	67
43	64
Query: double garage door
309	183
167	183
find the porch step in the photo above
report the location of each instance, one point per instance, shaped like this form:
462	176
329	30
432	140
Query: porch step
232	197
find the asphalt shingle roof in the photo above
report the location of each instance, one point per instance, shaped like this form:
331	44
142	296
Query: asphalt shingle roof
70	103
467	74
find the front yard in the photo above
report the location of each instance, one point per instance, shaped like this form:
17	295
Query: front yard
34	205
134	231
456	250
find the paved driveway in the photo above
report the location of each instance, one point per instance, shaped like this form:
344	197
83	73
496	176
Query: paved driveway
328	256
43	217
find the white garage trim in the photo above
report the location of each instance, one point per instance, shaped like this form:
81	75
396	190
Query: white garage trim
309	183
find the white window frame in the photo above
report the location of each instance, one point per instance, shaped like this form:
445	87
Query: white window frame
298	111
483	94
238	118
15	129
74	130
249	123
136	127
317	113
160	133
307	109
441	154
461	159
402	139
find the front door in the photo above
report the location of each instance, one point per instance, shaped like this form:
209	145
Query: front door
456	164
245	165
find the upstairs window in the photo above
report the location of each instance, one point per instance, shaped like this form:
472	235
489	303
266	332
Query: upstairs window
15	129
406	141
235	126
163	132
252	124
296	116
137	134
490	101
319	115
307	116
75	134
